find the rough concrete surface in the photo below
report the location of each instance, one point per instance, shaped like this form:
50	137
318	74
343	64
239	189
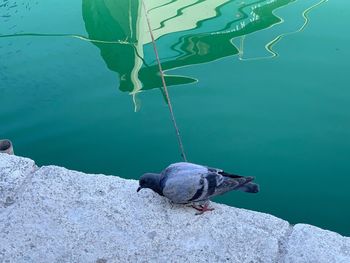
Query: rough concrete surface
58	215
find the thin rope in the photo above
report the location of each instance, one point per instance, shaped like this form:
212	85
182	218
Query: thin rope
183	155
121	42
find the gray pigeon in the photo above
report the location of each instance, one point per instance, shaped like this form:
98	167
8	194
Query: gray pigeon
188	183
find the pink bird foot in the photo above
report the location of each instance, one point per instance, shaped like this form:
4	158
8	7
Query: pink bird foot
202	208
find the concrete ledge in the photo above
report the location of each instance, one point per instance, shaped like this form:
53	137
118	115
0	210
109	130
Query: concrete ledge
58	215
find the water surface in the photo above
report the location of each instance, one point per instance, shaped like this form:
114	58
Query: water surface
258	88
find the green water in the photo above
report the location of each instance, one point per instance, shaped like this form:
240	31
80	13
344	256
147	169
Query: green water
258	87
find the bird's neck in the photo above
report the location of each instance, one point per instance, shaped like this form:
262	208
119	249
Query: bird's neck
157	186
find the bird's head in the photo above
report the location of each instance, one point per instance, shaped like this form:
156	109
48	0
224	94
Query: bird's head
149	180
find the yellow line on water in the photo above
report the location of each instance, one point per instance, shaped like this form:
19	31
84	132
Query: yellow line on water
121	42
269	46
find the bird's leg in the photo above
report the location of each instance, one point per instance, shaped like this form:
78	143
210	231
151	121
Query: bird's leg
201	208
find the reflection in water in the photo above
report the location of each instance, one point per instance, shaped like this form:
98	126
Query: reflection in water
269	46
187	32
124	20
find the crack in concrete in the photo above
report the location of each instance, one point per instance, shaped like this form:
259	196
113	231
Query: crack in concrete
283	244
12	199
25	183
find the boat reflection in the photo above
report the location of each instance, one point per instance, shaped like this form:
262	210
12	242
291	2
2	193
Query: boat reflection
187	32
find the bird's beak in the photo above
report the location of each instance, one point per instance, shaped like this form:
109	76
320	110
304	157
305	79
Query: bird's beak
138	189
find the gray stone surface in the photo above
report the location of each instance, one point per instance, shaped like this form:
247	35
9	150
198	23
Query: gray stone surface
309	244
66	216
13	173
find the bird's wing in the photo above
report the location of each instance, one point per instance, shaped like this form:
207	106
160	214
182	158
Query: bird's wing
230	183
183	187
214	183
183	168
183	182
187	182
222	172
214	170
220	182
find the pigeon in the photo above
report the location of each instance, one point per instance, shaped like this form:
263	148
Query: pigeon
189	183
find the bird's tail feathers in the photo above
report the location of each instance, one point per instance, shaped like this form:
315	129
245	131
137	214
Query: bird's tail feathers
245	182
249	188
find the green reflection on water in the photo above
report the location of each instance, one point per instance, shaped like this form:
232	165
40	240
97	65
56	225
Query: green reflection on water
192	43
118	29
